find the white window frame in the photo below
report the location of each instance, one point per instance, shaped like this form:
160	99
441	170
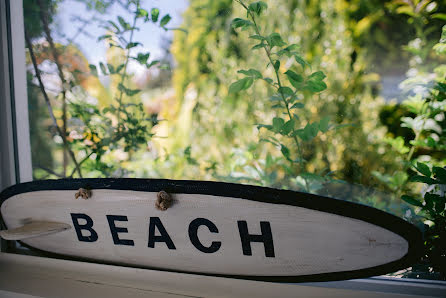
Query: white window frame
16	167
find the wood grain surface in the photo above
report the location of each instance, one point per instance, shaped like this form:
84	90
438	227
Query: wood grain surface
305	241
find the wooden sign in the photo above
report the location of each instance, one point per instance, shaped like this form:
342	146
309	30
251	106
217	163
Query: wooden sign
209	228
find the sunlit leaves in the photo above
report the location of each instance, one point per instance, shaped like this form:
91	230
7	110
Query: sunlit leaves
397	144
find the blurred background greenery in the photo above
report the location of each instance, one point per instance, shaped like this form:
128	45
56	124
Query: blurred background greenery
155	102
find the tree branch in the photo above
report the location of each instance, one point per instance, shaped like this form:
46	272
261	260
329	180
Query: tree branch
50	171
47	100
46	28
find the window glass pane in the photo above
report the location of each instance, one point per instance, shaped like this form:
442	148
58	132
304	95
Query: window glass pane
340	98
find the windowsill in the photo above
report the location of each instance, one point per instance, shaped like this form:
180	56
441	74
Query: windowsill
43	277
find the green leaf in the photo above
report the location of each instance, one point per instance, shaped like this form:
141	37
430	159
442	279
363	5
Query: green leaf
142	13
440	87
269	127
294	78
111	69
297	105
238	22
277	65
278	124
309	131
120	67
154	62
440	16
274	39
103	68
128	92
411	200
324	124
155	12
423	169
268	80
115	26
165	20
316	86
301	61
93	70
132	45
123	23
422	179
286	152
102	37
318	76
288	51
315	83
258	37
259	46
142	58
287	127
255	74
257	7
440	174
397	144
240	85
285	91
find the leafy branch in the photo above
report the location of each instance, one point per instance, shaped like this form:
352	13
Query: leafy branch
285	96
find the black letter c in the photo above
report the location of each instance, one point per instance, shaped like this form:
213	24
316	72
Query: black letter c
193	229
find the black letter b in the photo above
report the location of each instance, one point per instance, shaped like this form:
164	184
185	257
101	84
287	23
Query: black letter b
87	226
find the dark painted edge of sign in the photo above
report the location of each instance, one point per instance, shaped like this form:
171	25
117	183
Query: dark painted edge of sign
254	193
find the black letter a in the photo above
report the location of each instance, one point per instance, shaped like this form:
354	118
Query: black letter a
156	222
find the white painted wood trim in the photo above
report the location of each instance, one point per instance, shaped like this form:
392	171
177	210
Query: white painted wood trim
42	277
20	90
15	156
7	162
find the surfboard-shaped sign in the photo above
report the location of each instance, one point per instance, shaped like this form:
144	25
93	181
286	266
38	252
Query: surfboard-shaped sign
209	228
